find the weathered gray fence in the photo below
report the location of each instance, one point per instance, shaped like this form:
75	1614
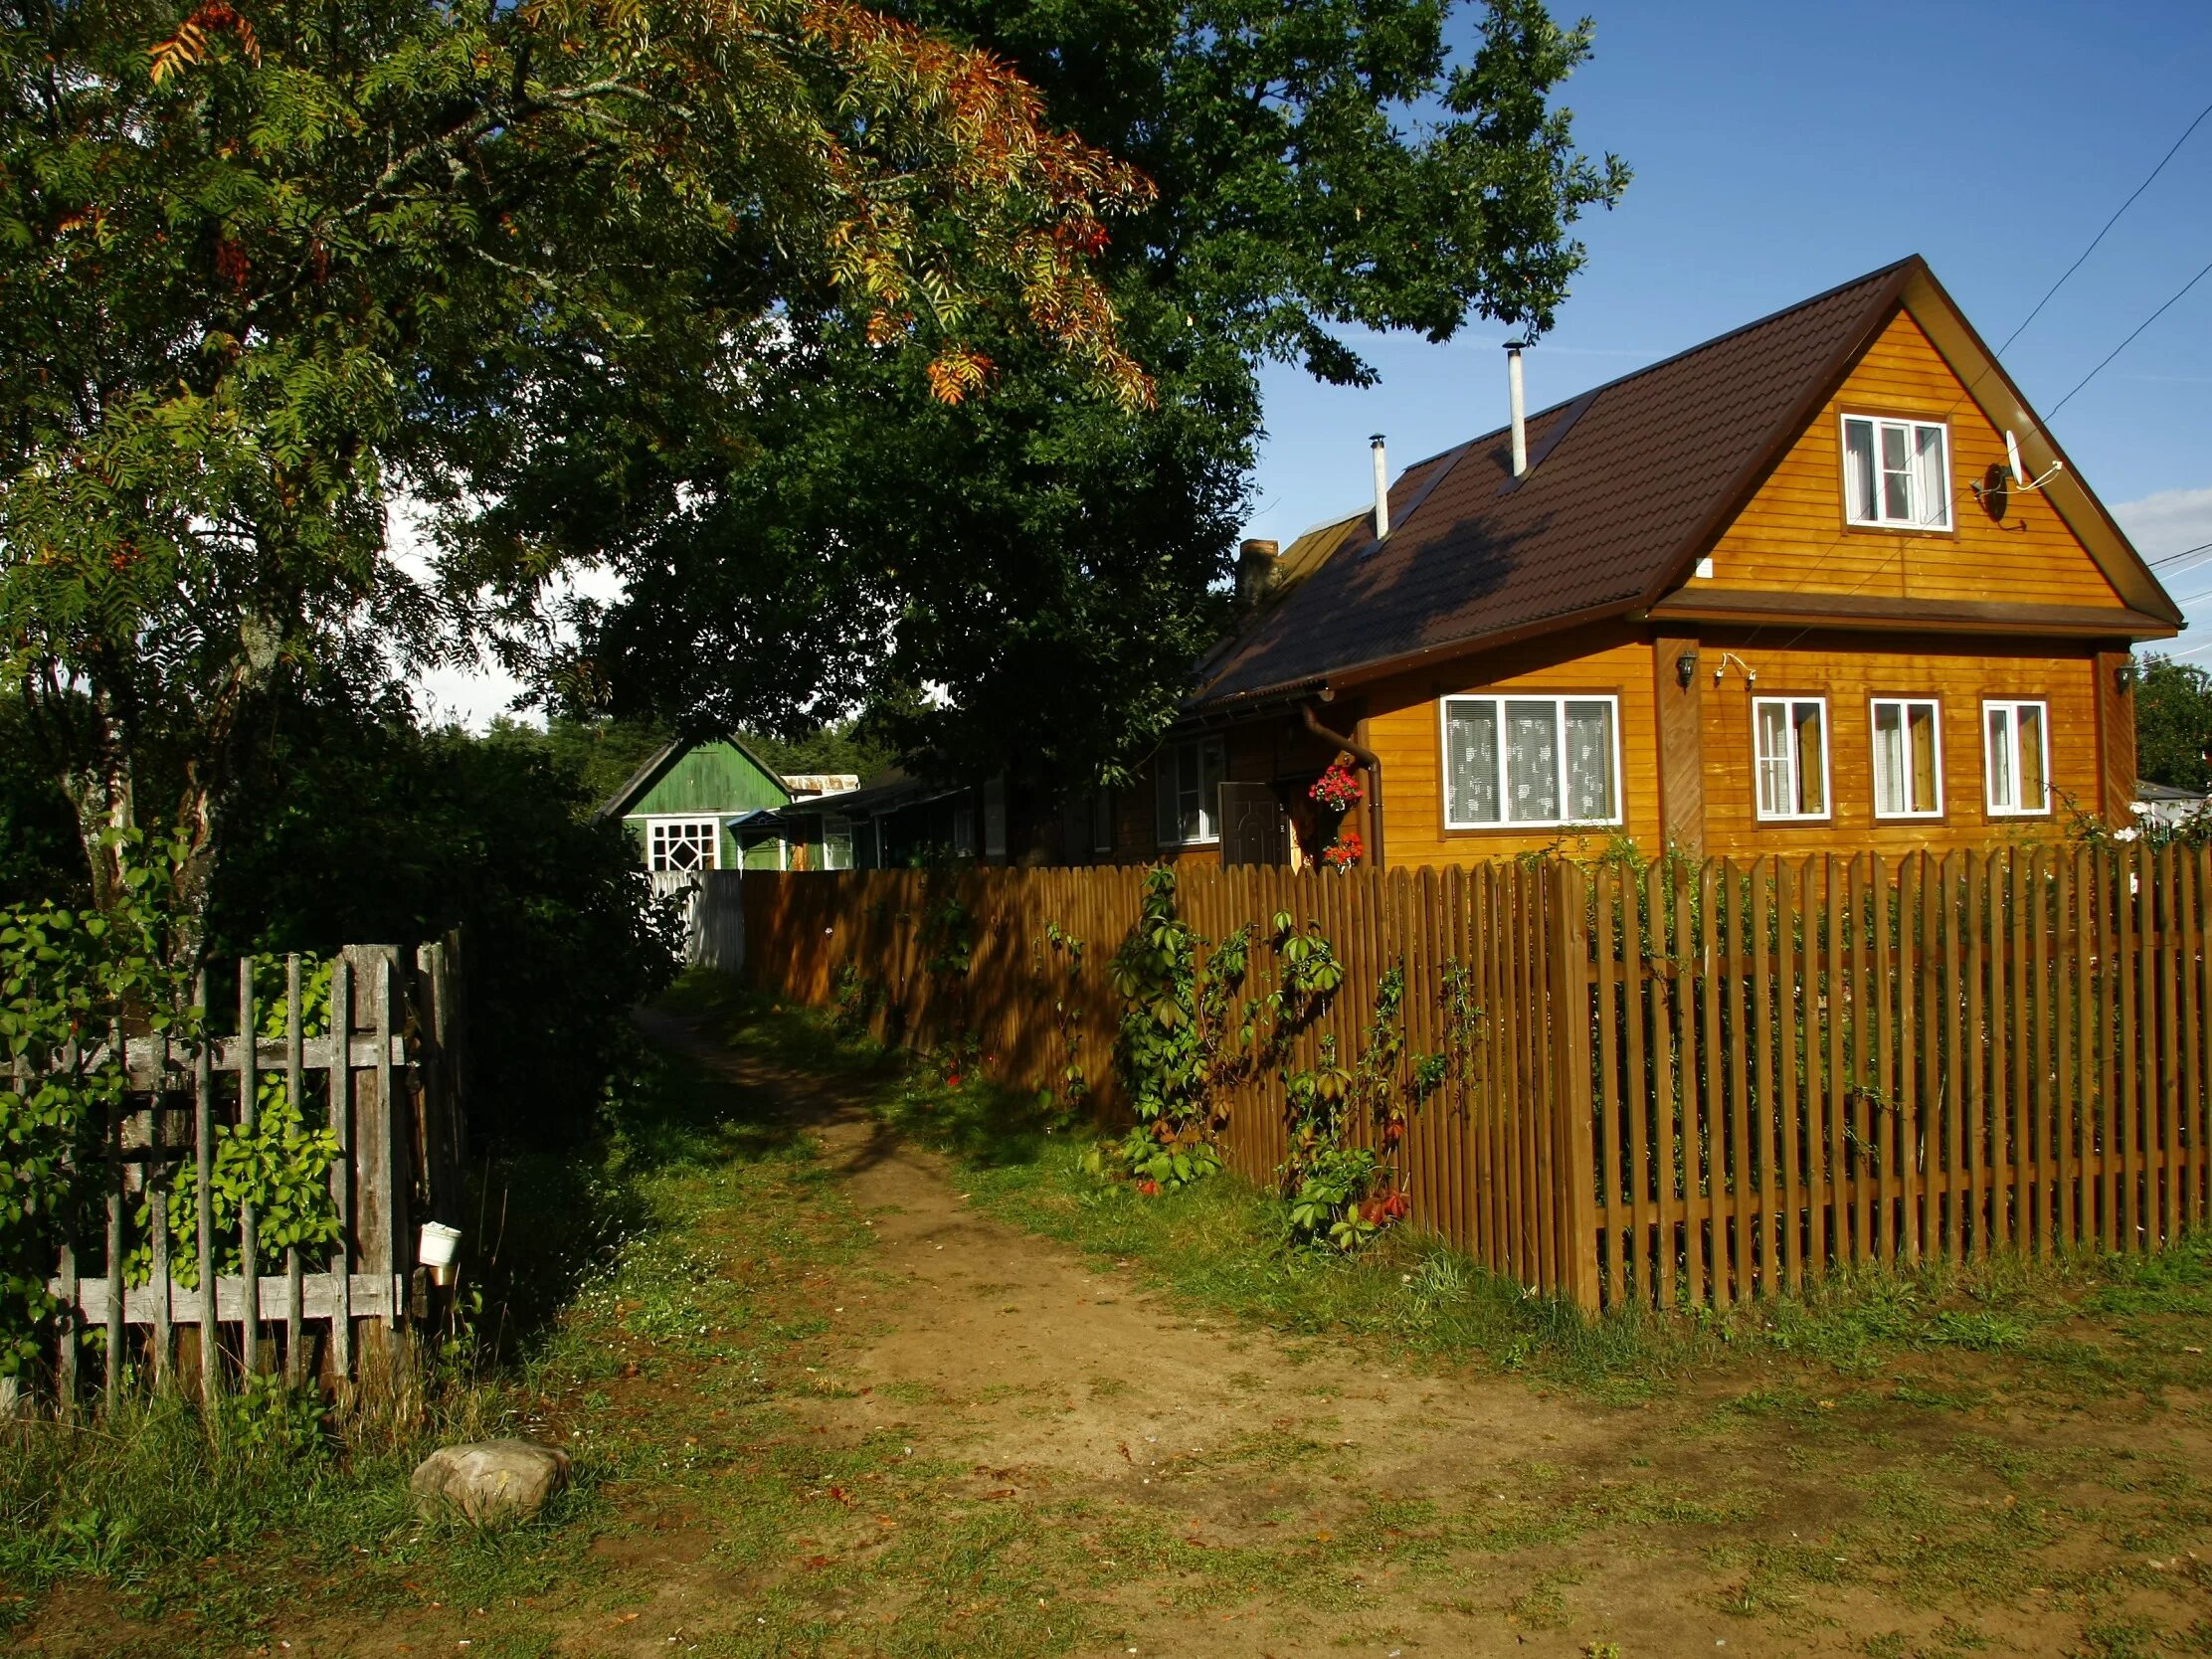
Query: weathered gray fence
713	914
383	1077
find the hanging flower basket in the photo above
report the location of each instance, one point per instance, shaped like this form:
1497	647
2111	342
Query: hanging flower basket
1337	788
1345	852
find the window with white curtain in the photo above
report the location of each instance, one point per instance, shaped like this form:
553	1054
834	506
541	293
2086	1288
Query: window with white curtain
1533	761
1189	779
1792	738
1897	474
1908	758
2016	738
837	844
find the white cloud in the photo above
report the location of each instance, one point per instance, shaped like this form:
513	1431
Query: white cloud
2167	522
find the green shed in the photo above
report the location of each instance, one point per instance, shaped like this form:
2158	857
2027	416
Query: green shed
687	806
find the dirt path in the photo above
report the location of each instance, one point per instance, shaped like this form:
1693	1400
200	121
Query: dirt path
1549	1524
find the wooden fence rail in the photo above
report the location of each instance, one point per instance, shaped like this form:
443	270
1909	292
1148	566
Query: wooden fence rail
1670	1082
383	1079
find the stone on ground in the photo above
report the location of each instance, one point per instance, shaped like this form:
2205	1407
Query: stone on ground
489	1480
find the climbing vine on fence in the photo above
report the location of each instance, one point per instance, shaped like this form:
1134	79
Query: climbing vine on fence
281	1166
69	981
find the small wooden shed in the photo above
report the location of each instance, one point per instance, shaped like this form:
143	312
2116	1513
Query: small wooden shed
687	808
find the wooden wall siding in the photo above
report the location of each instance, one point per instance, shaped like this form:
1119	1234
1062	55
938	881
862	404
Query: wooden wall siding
1687	1082
2115	724
1680	734
1404	730
1791	535
1849	674
387	1082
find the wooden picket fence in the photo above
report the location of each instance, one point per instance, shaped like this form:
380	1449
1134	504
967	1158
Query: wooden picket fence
1679	1083
385	1079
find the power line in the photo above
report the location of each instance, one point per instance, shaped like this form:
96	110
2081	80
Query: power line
2130	340
2176	558
2100	236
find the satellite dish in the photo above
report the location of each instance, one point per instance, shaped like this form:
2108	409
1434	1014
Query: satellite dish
2021	481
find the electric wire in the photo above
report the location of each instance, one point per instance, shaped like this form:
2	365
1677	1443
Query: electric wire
2176	558
2100	236
2130	340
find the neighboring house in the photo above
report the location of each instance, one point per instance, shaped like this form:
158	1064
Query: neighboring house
2165	804
897	821
1777	594
699	805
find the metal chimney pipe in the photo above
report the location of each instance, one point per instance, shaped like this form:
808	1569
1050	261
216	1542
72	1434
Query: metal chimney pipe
1381	487
1520	413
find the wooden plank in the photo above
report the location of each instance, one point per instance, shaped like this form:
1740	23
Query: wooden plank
1613	1179
1576	1179
2172	1059
159	1187
1798	1039
341	1170
365	1293
115	1176
295	1085
2110	904
249	1105
1885	1065
1826	1125
1995	1163
1711	938
1666	1125
2018	1031
2199	1123
1861	1172
2132	898
1910	870
2072	988
203	1155
1764	875
1924	1166
1741	1178
2037	1151
1959	882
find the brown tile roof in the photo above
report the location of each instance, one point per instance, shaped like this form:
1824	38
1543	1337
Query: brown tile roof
1626	485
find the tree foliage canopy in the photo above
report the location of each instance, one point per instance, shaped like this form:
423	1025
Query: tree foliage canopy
2173	723
263	267
1052	564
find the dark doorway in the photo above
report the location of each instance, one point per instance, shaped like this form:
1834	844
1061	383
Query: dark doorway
1253	829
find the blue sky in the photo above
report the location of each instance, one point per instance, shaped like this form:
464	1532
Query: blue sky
1782	148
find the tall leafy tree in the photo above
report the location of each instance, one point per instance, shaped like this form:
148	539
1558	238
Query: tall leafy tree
262	268
1028	578
2173	723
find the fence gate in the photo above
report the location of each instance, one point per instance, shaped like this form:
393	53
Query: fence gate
165	1277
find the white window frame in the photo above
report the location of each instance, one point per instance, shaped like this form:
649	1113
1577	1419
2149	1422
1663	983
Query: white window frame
1827	767
836	830
659	823
1912	426
2012	707
1498	700
1875	705
1210	811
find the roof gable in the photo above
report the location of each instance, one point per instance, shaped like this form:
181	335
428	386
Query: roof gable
715	774
1636	479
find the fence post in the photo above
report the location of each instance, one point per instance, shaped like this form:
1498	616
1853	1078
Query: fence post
1569	1102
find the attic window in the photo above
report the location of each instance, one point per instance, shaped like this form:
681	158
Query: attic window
1897	474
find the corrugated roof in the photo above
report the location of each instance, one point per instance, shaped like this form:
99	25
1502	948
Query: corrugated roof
1629	479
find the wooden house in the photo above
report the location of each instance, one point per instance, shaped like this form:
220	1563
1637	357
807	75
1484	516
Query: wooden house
702	805
1787	591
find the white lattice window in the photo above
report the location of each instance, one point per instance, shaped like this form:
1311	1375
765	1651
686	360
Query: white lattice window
683	843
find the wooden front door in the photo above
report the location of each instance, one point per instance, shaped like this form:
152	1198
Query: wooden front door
1253	829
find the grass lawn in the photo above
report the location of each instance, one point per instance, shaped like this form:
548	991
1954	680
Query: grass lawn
823	1400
